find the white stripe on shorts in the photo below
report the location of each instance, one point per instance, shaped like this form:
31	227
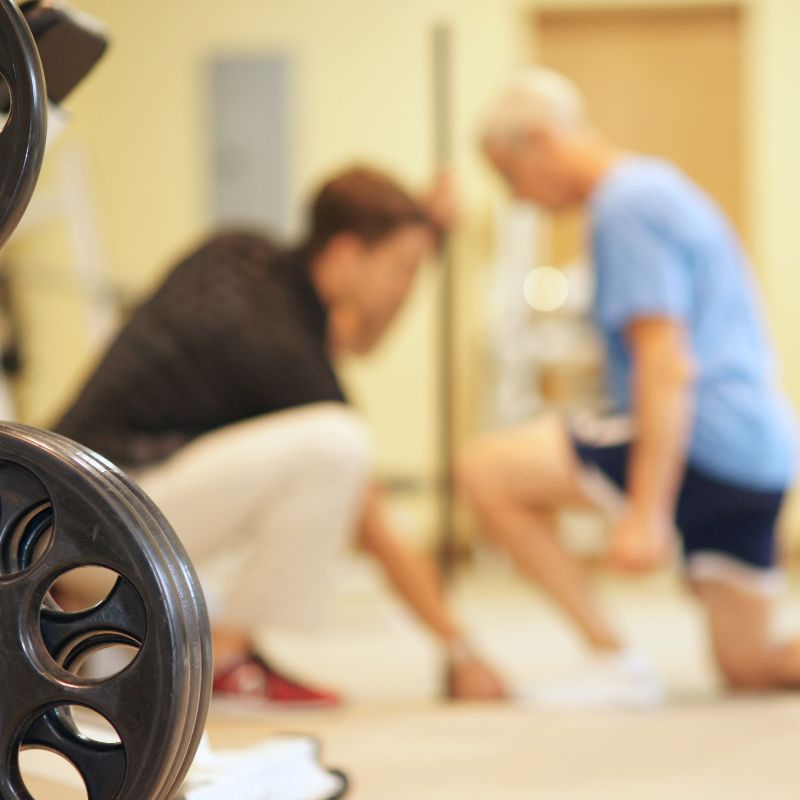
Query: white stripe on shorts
599	431
707	565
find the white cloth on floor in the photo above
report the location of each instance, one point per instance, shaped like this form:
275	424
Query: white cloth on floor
278	768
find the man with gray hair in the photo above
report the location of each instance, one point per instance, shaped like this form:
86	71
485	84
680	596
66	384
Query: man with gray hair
702	441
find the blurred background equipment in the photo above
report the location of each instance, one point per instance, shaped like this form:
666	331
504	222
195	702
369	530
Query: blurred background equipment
24	133
69	44
251	140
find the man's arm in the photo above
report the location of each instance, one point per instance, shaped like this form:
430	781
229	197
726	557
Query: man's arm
663	379
416	579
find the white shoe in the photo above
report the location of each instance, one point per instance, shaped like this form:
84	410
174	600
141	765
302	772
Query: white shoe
622	680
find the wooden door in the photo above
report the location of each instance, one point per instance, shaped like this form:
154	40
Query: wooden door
663	81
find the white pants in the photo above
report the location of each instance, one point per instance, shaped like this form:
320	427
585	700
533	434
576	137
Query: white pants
285	490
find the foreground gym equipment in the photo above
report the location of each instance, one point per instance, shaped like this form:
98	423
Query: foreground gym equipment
63	507
23	138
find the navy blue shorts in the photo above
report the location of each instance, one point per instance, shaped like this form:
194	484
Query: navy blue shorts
713	517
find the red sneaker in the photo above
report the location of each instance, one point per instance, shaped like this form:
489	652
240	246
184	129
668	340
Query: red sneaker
253	679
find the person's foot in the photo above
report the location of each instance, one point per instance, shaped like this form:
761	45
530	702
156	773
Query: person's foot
252	679
623	680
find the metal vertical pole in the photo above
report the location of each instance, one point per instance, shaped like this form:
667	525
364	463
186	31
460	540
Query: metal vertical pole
442	152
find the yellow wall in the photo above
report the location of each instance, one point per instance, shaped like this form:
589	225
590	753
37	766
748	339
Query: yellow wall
775	170
363	91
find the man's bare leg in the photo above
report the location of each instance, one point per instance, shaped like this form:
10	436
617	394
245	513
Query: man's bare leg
514	481
746	653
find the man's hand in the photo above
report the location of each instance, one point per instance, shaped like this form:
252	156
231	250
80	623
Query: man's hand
663	383
640	543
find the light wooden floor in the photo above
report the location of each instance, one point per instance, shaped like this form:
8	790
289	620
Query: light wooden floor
701	746
713	750
743	750
397	742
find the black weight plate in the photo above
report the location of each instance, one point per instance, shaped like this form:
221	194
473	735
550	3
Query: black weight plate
196	613
192	665
198	616
202	638
23	138
187	689
148	701
38	734
145	512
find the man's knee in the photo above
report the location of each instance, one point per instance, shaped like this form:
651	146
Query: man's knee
745	671
534	463
740	632
479	471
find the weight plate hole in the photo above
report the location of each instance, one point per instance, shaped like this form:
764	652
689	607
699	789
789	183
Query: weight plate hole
92	622
101	657
94	754
5	102
26	519
47	774
82	589
88	723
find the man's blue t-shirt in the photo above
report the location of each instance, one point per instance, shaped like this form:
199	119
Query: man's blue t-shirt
661	248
